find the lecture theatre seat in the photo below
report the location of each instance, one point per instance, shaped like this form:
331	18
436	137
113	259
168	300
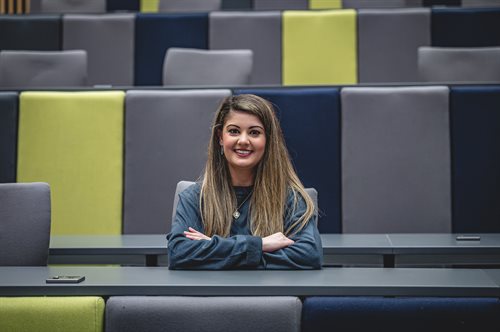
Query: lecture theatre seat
388	41
363	4
475	133
459	65
280	4
394	314
187	66
52	314
109	43
257	31
30	32
74	141
33	69
189	6
310	120
396	160
156	33
319	47
72	6
24	224
166	137
182	313
8	136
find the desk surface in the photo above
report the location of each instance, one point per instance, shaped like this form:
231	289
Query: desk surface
106	281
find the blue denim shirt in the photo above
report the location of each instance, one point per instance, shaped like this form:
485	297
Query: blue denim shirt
241	250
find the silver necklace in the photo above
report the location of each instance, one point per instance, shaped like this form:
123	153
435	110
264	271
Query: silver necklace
236	213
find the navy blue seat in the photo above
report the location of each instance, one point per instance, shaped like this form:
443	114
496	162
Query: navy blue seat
400	314
475	136
31	33
461	27
156	33
310	119
8	136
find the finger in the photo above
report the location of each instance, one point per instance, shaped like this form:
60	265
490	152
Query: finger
191	229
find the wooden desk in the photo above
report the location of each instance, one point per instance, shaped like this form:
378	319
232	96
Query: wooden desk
107	281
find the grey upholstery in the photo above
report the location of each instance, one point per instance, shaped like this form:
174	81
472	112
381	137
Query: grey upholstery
180	6
24	224
186	66
182	185
175	313
73	6
388	41
166	139
280	4
443	64
480	3
396	160
109	42
381	3
257	31
25	69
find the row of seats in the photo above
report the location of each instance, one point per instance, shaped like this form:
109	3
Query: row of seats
287	314
289	48
383	159
102	6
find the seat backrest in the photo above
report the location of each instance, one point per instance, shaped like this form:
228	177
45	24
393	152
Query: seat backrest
23	69
182	185
452	64
396	160
168	313
207	67
180	6
357	4
24	224
73	6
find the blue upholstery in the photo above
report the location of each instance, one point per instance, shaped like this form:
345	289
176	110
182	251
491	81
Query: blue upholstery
8	136
155	33
475	134
37	32
310	122
400	314
465	27
122	5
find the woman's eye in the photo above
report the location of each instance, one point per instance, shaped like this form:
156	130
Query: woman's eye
255	133
233	131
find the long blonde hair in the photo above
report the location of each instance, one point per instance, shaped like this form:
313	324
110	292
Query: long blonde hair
274	177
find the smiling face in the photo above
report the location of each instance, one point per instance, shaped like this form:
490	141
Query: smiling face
243	139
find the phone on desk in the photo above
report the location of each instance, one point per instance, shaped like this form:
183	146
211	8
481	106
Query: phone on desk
468	238
65	279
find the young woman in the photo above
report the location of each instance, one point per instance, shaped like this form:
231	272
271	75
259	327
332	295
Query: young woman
250	210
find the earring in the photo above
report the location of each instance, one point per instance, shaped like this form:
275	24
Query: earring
221	150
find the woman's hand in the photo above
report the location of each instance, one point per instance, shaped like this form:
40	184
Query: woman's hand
193	234
275	242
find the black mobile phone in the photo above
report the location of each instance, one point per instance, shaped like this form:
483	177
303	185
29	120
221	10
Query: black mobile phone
468	238
65	279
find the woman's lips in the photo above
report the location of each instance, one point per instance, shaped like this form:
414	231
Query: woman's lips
243	153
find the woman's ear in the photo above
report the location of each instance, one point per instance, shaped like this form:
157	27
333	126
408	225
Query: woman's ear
219	135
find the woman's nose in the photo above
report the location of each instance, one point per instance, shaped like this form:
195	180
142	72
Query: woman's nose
243	138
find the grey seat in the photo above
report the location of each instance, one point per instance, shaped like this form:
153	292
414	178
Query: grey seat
72	6
381	3
24	224
388	42
109	43
185	66
180	6
166	135
179	313
396	160
182	185
452	64
257	31
25	69
280	4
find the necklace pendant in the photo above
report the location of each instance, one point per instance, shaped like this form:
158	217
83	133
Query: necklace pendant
236	214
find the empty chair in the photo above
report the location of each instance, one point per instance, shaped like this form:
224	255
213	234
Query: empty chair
179	6
72	6
184	66
175	313
26	69
8	136
381	3
24	224
182	185
280	4
447	64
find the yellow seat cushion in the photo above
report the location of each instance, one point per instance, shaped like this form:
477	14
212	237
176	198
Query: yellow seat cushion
150	6
319	47
74	142
325	4
52	314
